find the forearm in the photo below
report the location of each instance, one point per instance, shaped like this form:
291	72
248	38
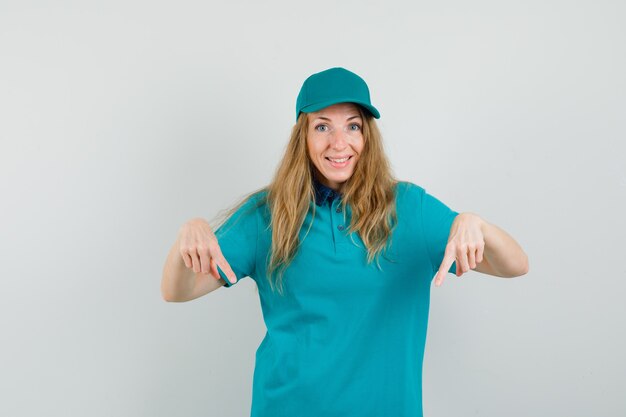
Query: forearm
178	281
503	253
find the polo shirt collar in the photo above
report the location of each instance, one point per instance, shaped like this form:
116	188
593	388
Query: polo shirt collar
323	193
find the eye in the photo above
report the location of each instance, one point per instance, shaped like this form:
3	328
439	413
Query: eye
321	128
355	127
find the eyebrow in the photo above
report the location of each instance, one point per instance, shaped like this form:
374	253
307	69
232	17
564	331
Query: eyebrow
349	118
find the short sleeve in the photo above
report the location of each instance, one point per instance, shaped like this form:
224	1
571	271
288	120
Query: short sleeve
237	238
437	220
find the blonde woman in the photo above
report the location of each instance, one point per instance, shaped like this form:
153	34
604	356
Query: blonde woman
343	256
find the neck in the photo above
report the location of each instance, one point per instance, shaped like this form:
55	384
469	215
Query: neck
320	179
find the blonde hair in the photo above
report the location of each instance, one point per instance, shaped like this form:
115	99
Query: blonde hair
370	193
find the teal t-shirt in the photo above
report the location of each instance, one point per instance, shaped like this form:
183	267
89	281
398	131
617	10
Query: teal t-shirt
346	339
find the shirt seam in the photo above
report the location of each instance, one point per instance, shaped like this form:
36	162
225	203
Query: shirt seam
256	241
430	258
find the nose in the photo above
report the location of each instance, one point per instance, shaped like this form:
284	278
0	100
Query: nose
338	140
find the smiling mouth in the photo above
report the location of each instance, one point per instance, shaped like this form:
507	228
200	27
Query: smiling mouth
339	160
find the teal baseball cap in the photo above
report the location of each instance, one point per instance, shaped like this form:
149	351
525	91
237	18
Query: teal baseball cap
332	86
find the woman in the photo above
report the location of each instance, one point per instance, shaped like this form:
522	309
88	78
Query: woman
343	256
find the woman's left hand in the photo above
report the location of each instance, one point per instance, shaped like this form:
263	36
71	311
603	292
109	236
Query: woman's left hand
466	245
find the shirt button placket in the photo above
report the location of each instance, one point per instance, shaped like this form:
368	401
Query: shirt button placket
340	220
339	225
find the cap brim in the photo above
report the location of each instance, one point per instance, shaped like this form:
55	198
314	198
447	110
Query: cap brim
319	106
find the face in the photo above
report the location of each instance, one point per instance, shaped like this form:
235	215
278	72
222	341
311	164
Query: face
335	142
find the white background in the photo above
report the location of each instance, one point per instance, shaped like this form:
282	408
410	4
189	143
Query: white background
121	120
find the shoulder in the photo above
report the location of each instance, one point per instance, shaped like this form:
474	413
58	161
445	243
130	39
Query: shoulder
256	205
245	211
408	186
254	201
408	193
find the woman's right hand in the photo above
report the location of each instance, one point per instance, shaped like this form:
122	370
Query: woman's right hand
200	251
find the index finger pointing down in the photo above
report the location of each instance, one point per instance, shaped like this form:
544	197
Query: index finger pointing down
225	271
447	262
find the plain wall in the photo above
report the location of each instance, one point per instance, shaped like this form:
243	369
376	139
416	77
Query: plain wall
119	121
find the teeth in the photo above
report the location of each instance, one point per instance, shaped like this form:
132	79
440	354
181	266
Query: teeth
340	160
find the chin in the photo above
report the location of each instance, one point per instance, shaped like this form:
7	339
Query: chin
339	180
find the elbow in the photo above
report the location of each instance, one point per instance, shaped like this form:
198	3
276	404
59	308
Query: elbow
526	267
168	295
516	269
165	294
170	298
523	267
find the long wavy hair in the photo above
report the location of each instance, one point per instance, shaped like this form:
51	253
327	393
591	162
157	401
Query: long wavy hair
370	193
